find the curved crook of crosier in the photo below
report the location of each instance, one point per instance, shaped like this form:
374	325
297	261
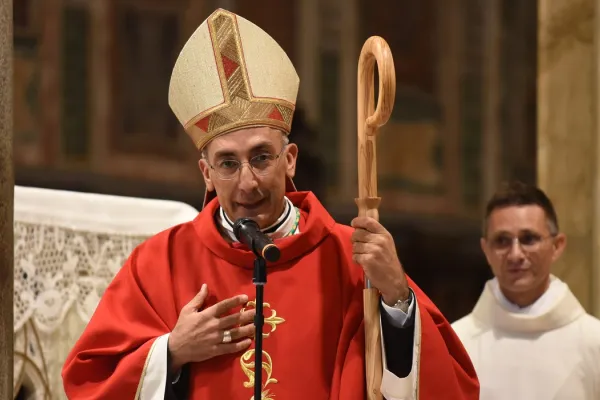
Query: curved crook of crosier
376	50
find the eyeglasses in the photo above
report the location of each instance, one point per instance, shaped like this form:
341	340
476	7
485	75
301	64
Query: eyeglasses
529	242
262	164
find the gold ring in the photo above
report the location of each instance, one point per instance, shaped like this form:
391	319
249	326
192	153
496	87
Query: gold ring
226	337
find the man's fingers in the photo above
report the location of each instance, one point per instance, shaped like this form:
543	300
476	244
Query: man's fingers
198	300
243	332
223	307
361	235
367	223
362	259
242	318
363	248
234	347
237	334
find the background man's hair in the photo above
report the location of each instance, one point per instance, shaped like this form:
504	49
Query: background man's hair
521	194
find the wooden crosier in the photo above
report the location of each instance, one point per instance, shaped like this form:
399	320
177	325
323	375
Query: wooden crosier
370	119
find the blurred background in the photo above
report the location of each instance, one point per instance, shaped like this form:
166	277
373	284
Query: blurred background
91	113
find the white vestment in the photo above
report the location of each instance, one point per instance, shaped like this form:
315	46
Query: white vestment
547	351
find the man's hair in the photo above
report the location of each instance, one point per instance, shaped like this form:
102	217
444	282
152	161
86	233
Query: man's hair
520	194
284	137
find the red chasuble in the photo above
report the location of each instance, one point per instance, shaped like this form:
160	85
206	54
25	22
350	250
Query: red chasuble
314	336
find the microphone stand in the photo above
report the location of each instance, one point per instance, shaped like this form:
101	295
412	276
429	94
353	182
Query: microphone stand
259	280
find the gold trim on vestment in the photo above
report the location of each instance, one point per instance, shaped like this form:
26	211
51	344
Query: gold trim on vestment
267	364
138	392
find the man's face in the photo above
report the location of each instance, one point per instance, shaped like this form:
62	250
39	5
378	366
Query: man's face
520	248
252	192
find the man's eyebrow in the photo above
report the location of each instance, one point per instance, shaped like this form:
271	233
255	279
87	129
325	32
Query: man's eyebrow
505	232
262	146
529	231
266	145
500	233
224	153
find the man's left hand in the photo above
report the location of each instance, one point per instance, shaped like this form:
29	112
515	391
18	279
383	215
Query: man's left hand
374	249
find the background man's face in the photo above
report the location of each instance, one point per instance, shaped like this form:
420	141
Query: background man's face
521	249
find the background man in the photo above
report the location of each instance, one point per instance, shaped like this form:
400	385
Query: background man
528	336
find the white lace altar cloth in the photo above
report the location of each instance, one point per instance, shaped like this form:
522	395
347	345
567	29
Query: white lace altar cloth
68	247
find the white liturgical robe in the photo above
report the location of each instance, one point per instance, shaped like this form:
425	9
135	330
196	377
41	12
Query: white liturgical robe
547	351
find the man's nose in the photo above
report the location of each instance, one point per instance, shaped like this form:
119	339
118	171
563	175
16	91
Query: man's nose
515	252
248	180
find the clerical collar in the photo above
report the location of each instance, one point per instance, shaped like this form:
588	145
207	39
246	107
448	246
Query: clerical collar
557	308
555	290
286	224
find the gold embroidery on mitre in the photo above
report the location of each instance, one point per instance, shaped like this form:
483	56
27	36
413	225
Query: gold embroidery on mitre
240	108
267	364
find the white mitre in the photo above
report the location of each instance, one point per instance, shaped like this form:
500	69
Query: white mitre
232	75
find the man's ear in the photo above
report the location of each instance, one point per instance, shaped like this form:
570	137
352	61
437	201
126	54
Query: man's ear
560	242
205	169
484	249
291	156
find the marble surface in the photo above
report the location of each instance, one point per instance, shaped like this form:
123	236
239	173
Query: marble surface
568	136
6	202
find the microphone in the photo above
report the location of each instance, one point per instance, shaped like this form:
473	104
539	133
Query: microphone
248	232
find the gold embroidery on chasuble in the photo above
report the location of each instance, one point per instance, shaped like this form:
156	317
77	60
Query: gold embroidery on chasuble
240	105
247	361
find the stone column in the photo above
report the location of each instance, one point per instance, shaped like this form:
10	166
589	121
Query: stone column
568	136
492	96
350	47
307	39
6	201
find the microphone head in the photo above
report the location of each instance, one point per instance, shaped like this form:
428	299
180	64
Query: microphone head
271	253
248	232
240	223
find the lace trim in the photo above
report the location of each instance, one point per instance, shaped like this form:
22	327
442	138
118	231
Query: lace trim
59	267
